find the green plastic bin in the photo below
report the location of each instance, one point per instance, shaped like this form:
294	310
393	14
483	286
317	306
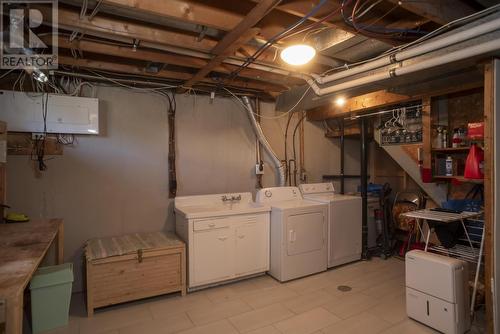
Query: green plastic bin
50	297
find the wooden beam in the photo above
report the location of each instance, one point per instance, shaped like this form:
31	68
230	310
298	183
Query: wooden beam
122	68
126	31
71	20
168	58
216	14
439	11
358	104
189	11
237	37
489	194
165	74
427	132
383	98
219	58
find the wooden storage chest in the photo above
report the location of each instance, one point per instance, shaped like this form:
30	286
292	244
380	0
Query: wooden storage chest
135	266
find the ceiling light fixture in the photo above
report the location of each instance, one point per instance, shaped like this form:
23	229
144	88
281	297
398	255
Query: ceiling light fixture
298	54
340	101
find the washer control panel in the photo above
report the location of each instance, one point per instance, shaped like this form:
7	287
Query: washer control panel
317	188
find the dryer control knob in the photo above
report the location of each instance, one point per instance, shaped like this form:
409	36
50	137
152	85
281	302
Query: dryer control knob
268	193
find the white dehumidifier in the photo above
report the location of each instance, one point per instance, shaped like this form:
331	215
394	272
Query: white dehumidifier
437	292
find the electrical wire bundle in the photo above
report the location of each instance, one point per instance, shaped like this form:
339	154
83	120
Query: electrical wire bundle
370	29
286	33
38	149
172	177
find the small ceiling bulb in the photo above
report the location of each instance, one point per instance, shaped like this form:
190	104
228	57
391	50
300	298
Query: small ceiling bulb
340	101
297	55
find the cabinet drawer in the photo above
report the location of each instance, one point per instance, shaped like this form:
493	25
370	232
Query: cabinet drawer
211	223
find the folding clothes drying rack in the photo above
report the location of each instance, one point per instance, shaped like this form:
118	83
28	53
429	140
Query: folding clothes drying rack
468	253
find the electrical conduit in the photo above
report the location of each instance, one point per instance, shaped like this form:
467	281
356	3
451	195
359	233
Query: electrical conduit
263	140
462	54
424	48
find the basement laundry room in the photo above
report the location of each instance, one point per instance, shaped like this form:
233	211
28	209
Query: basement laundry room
249	167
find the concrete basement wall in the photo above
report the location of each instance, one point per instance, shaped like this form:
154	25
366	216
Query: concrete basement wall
117	182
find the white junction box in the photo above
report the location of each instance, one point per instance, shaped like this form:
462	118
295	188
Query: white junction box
23	112
437	293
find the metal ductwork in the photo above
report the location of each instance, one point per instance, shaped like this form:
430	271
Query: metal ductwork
263	140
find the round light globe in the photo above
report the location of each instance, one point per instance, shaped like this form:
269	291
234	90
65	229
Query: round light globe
298	54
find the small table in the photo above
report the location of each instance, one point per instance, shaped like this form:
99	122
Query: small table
23	246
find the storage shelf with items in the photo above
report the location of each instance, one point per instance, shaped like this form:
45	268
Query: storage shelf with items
452	117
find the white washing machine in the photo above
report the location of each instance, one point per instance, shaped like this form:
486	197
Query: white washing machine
344	222
298	233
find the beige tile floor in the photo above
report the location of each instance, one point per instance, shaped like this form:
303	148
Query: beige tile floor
261	305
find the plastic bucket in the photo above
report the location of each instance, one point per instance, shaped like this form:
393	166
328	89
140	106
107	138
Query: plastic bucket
50	297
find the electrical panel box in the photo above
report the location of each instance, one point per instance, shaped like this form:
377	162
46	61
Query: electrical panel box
23	112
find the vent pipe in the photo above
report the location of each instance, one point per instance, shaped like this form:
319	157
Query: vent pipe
263	140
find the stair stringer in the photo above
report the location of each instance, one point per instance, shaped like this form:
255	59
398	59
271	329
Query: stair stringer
435	191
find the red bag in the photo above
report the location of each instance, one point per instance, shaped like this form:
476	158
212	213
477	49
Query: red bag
474	163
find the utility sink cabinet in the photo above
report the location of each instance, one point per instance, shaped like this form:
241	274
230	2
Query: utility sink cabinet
224	243
225	248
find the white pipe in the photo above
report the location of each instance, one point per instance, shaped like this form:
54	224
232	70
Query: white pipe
471	51
423	48
356	70
263	140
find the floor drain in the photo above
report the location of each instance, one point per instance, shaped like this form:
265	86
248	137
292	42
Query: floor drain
344	288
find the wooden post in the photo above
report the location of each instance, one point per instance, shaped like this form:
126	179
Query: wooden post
489	199
426	132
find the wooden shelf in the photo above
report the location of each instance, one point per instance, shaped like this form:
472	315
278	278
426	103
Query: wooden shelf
458	178
451	150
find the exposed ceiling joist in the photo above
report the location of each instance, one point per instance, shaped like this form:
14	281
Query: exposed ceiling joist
163	74
194	12
122	68
167	58
239	36
111	26
439	11
127	31
215	14
219	58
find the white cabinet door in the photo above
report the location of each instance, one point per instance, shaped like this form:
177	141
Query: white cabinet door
213	255
252	248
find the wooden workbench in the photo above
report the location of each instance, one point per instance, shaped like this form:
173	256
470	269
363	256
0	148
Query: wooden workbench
23	246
